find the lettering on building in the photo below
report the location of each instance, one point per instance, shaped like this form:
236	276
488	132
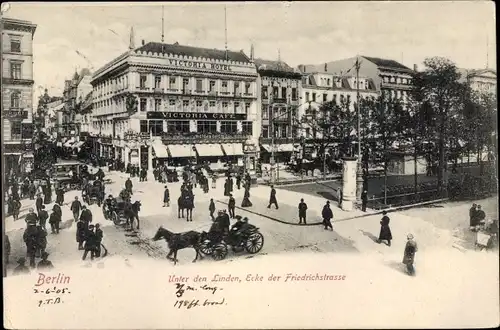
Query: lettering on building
200	65
196	115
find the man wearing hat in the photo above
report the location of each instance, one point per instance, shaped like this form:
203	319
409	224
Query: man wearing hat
76	206
327	216
166	197
86	216
30	238
21	267
272	198
38	203
31	216
98	239
238	228
56	220
231	205
211	208
42	217
44	264
302	211
409	254
90	243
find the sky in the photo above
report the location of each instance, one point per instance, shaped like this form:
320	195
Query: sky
302	32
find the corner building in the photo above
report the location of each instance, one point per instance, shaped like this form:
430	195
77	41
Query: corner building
171	104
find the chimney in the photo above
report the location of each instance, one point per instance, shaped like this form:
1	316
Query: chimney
326	67
131	44
143	42
415	67
251	53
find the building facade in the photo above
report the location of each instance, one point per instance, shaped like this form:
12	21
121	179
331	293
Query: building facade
17	93
75	91
168	103
279	86
480	80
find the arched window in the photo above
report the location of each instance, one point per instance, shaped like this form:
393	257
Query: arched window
15	99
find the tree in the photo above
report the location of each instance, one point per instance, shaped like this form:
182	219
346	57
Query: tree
439	90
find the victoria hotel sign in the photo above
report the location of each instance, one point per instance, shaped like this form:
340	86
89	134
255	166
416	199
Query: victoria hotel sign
199	65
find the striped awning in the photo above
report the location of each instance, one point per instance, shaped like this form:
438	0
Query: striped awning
207	150
181	150
233	149
160	150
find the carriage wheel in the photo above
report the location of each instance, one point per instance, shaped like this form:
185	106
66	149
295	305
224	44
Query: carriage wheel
219	251
254	243
115	218
206	247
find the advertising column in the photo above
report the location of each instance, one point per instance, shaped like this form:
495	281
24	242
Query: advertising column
349	184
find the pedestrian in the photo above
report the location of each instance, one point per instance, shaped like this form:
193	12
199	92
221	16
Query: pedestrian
302	211
39	203
226	187
473	215
409	254
385	230
364	200
58	212
166	197
86	216
246	198
211	208
16	208
31	216
238	180
231	205
30	238
44	264
327	216
98	239
47	193
60	195
272	198
32	190
76	206
129	186
21	267
340	196
80	234
90	243
43	217
226	221
231	183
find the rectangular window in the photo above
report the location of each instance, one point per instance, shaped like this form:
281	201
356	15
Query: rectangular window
236	87
157	81
224	87
15	70
275	92
283	93
172	83
199	105
212	104
199	85
265	113
178	126
247	108
142	81
228	127
206	126
157	104
224	105
264	92
307	96
15	45
247	127
185	103
15	130
314	97
27	130
156	127
171	102
143	104
236	106
294	94
185	82
15	99
144	126
247	88
212	86
265	131
325	97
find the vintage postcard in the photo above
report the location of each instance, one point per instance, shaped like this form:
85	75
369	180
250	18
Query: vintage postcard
212	165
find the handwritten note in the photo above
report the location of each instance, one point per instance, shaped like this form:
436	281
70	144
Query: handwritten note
51	295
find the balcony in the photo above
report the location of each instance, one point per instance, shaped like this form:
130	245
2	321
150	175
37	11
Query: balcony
199	92
186	91
225	93
237	94
158	90
213	93
194	137
15	114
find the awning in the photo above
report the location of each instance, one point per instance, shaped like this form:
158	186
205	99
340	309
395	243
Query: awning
233	149
160	150
285	147
207	150
267	147
181	150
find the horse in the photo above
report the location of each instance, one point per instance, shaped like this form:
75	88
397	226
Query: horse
133	213
179	241
185	203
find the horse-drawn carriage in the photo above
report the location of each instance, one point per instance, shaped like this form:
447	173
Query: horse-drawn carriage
216	245
93	192
118	214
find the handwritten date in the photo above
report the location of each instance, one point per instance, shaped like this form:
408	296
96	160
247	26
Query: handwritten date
53	290
181	288
188	304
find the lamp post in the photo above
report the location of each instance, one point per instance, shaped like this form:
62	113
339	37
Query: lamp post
359	172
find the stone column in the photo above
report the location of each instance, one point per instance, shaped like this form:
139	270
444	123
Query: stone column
349	183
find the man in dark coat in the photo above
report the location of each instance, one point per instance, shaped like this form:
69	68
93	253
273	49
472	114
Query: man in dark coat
238	180
80	234
364	200
211	208
226	188
90	243
409	254
226	222
32	190
30	238
86	216
272	198
100	175
166	197
48	193
473	215
42	217
480	216
16	208
302	211
60	196
231	183
56	210
76	206
327	216
39	203
31	216
385	230
231	206
129	186
45	264
98	239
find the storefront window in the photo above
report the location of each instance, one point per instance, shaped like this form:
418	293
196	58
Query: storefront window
228	127
156	127
144	126
15	130
207	126
247	127
265	131
178	126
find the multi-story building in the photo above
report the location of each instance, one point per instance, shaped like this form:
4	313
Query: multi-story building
84	117
480	80
53	116
279	86
17	93
75	91
169	103
389	77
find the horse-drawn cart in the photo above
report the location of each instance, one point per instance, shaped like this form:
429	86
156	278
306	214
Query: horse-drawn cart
119	213
216	245
94	192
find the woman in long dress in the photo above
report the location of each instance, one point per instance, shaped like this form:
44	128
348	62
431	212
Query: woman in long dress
246	199
385	230
409	254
